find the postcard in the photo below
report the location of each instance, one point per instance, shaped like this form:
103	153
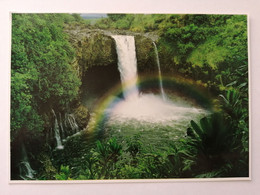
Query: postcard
101	97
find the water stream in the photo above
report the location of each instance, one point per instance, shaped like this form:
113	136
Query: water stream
71	123
25	169
159	72
144	107
57	132
160	119
127	65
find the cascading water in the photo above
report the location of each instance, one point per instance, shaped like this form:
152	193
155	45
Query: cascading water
57	132
145	107
159	72
71	123
127	65
160	119
62	129
25	169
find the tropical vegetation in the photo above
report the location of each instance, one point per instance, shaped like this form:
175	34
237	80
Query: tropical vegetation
210	50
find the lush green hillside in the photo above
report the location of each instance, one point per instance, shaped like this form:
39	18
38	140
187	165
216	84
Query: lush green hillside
52	54
42	73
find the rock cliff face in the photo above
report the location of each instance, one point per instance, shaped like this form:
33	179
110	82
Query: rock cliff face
96	61
146	61
93	48
97	48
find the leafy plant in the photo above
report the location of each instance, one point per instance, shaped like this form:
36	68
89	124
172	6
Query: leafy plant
213	141
106	156
181	158
236	109
64	173
134	145
232	103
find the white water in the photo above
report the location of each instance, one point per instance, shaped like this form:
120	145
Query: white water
25	169
61	128
146	107
71	121
127	65
152	108
159	72
57	133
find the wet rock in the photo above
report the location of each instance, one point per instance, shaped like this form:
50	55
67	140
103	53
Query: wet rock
93	48
82	116
145	54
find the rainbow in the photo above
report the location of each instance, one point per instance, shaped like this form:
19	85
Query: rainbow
195	91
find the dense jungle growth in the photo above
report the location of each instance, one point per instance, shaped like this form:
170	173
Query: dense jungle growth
54	62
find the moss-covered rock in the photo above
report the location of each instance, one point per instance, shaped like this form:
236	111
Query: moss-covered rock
145	53
97	50
82	116
96	62
93	48
47	171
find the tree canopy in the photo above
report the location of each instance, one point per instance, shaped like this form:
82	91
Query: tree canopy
42	75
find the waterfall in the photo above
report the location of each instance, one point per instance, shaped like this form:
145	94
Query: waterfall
159	72
144	107
127	65
71	122
57	132
25	169
62	129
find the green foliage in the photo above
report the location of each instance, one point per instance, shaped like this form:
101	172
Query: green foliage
130	172
116	17
110	160
207	152
97	50
77	17
221	143
42	76
180	159
21	103
106	156
64	173
210	49
236	112
225	51
212	137
109	151
184	33
134	145
232	103
48	171
206	47
133	22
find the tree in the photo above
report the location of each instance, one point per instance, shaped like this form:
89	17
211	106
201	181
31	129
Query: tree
115	17
42	73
